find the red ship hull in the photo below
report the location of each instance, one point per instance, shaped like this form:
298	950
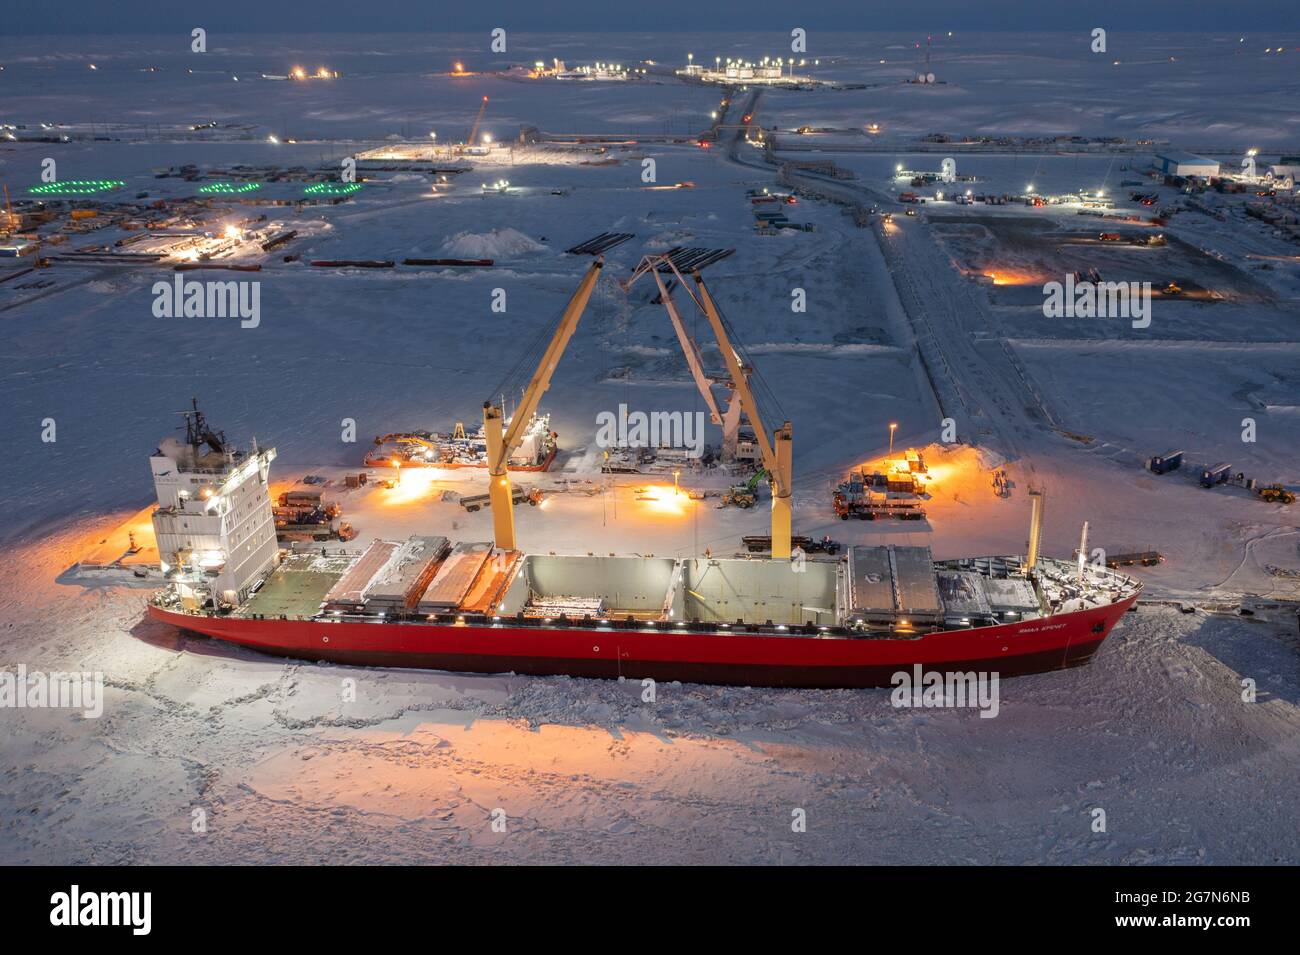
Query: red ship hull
718	656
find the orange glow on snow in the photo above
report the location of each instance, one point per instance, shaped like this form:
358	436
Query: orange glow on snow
664	499
415	484
1012	277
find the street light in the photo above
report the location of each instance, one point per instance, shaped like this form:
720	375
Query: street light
892	428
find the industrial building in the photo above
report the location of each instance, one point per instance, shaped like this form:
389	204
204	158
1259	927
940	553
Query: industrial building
772	71
1287	167
1177	163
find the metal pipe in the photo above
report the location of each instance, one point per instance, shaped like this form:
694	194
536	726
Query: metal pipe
1083	551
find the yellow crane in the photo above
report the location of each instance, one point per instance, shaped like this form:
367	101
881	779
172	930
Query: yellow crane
777	450
502	442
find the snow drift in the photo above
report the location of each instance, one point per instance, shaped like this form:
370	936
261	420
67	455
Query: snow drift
497	244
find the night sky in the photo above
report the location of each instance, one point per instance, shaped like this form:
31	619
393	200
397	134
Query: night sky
667	16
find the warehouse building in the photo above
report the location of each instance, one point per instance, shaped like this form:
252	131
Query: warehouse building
1185	164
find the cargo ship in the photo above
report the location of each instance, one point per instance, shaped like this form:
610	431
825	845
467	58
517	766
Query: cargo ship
850	620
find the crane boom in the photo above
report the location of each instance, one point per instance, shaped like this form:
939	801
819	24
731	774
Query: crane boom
502	442
689	349
778	455
729	419
473	132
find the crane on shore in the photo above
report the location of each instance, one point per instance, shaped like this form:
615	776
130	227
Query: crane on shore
478	120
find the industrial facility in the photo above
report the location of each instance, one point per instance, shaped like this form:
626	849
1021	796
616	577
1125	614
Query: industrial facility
440	439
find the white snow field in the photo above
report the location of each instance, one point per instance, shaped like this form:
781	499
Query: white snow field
900	327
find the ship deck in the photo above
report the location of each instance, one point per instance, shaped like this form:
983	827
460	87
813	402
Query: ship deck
886	590
296	588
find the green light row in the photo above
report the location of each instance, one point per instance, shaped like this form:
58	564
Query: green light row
75	187
332	189
229	188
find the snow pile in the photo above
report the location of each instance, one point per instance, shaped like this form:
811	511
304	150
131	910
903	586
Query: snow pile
497	244
666	240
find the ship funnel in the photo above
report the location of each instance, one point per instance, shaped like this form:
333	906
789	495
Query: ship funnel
1035	529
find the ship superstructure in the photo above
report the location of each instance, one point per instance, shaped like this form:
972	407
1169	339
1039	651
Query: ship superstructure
214	523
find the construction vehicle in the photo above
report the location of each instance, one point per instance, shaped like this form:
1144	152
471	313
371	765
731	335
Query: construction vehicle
743	495
1001	485
776	450
1276	494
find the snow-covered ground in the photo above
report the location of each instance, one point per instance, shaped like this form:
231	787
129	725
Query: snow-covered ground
1154	731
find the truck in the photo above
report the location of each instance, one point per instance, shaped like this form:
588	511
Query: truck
763	544
853	499
330	530
1217	474
307	501
300	498
1164	463
531	496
